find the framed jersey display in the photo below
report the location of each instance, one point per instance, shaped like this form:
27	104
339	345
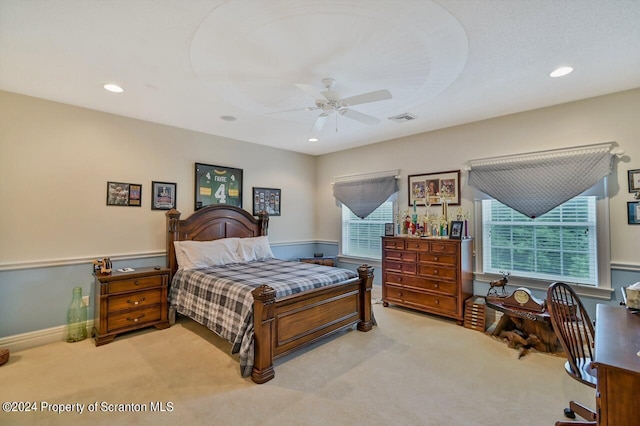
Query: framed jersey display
217	185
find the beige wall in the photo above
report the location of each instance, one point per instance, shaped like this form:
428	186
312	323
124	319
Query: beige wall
608	118
56	159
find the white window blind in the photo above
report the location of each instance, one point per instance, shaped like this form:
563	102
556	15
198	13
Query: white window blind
560	245
361	237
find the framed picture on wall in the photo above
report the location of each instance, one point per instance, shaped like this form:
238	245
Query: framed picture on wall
217	185
267	199
634	180
430	188
633	212
163	195
124	194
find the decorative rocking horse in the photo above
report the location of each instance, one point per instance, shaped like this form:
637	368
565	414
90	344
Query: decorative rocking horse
501	283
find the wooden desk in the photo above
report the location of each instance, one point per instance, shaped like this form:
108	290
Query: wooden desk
617	342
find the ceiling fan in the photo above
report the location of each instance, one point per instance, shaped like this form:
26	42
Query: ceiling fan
329	102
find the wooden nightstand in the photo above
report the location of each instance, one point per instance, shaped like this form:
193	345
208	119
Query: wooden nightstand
326	261
129	301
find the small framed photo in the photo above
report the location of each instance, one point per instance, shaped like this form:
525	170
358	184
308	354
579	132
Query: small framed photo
163	195
633	212
457	228
432	188
388	229
634	180
266	199
124	194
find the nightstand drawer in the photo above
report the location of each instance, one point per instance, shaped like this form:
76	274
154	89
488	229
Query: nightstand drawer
134	284
134	318
134	300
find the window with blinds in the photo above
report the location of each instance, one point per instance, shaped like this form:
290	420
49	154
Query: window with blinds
361	237
560	245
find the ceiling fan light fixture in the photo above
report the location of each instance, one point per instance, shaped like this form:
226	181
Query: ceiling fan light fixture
560	72
313	139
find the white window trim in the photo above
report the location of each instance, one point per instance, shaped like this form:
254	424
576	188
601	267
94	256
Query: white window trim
602	291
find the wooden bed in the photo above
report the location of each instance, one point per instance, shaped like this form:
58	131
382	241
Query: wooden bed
286	324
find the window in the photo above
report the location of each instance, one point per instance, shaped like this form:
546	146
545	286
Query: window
361	237
561	245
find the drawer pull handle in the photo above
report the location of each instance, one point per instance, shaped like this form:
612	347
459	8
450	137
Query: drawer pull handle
437	302
435	258
400	279
137	302
435	286
136	282
435	272
135	319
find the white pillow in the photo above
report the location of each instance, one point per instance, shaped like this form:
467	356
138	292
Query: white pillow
202	254
254	248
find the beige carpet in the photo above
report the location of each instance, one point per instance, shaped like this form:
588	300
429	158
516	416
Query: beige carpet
412	369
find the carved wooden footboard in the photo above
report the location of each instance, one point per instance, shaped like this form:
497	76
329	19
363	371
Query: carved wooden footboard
284	325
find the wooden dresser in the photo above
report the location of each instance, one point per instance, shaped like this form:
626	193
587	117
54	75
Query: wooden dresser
326	261
129	301
429	274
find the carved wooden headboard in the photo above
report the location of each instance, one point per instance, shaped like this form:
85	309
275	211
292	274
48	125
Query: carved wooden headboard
212	223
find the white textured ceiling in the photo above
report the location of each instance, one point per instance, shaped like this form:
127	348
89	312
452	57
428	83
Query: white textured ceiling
187	63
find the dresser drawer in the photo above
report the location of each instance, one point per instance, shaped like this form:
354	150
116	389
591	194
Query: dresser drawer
400	279
393	244
417	245
406	256
447	259
134	300
427	300
134	318
444	287
392	293
443	247
134	284
437	271
406	268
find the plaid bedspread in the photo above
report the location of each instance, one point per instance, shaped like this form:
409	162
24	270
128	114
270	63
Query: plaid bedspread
220	297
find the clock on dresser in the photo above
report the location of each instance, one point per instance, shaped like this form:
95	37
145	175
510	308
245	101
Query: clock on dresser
131	300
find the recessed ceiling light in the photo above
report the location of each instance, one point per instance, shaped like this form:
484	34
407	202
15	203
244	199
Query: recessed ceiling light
228	118
313	139
559	72
113	88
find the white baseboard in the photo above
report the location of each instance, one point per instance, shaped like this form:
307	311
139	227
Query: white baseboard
19	342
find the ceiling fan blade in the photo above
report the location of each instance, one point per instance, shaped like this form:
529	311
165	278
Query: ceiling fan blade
292	110
358	116
378	95
309	90
319	124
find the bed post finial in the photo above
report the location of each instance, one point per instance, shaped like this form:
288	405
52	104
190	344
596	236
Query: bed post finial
263	218
173	219
366	314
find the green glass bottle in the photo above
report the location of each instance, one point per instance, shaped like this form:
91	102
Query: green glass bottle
77	317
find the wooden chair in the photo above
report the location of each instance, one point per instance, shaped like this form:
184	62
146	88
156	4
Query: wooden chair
575	331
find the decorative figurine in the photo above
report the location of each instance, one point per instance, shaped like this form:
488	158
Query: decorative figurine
501	283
